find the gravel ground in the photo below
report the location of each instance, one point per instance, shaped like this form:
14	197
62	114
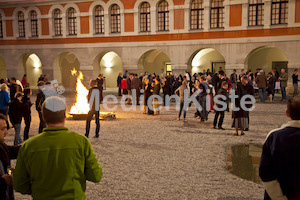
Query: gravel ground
158	157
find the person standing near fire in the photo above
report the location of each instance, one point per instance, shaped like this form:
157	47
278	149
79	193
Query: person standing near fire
93	110
100	82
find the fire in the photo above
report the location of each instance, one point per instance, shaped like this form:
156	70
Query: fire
81	106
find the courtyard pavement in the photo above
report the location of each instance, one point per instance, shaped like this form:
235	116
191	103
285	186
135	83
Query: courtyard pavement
158	157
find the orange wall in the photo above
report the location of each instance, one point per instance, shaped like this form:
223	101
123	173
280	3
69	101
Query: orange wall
179	19
297	14
84	24
128	4
9	28
178	2
84	7
235	15
8	11
45	26
129	22
44	9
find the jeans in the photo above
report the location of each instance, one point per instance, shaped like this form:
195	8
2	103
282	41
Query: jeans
27	120
18	139
222	114
182	108
295	89
88	122
283	93
262	94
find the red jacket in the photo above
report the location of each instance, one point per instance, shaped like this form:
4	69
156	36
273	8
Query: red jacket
123	84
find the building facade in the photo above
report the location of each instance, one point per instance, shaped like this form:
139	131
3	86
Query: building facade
110	36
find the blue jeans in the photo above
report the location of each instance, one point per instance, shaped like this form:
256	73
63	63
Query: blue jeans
182	108
18	139
262	94
283	93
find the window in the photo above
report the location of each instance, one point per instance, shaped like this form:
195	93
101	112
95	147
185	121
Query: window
21	24
217	14
145	17
197	14
57	22
72	26
256	13
163	16
34	24
279	12
99	19
115	19
1	29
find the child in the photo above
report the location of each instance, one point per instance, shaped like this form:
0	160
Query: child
222	92
15	116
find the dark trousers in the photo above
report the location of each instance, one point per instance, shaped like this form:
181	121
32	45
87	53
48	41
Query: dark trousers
119	92
203	112
222	114
88	122
101	96
4	112
42	123
27	120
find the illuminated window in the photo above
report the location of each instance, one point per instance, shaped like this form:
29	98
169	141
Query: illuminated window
34	24
21	24
1	29
279	12
217	14
256	13
145	17
72	26
197	14
163	16
99	19
115	19
57	22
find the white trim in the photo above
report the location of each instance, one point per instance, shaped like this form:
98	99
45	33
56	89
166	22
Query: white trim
120	4
171	17
77	14
38	13
51	20
3	24
91	16
15	22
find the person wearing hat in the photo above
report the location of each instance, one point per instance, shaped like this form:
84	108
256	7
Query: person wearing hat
56	163
261	81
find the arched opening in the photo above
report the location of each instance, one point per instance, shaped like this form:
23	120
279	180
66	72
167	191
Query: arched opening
266	58
110	65
63	64
3	72
205	59
31	65
154	61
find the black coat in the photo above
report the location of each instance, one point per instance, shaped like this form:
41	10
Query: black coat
40	98
6	154
271	84
221	92
100	83
119	80
240	92
147	92
14	88
27	106
15	111
156	89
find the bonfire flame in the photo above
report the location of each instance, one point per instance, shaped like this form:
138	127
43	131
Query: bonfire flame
81	106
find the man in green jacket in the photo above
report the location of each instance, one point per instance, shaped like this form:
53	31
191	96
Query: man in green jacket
56	163
283	83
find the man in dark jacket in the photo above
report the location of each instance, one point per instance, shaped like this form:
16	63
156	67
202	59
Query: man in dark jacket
279	164
14	88
27	112
261	81
295	82
136	84
119	79
233	79
40	98
6	154
219	110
